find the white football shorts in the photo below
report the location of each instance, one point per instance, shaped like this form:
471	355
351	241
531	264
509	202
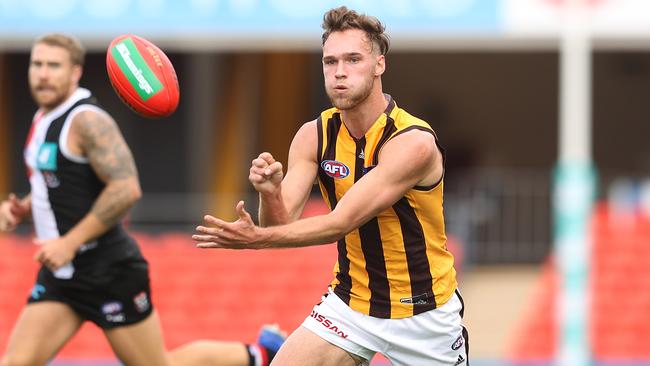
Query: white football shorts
435	337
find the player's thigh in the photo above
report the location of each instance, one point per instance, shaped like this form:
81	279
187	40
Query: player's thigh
304	348
139	344
41	330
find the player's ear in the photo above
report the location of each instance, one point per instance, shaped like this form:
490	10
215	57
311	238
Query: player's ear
380	67
77	70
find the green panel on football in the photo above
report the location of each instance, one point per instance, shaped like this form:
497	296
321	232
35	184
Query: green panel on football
136	70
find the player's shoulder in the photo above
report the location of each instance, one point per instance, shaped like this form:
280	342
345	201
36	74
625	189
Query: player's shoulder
304	141
414	147
404	120
308	130
89	119
411	130
91	114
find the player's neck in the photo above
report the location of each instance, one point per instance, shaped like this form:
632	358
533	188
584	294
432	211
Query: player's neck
359	119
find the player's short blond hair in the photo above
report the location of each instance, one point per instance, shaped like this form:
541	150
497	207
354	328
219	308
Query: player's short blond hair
69	43
341	19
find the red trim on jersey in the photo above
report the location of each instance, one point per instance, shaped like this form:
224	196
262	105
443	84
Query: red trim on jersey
37	118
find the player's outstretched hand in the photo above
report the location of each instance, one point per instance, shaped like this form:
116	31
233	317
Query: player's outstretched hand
240	234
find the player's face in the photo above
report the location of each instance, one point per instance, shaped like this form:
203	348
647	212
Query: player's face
350	67
52	76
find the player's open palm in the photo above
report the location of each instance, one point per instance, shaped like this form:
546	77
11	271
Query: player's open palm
266	173
240	234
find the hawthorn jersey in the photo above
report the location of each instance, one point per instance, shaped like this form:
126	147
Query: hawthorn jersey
64	187
397	264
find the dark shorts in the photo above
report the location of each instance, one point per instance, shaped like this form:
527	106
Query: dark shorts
115	296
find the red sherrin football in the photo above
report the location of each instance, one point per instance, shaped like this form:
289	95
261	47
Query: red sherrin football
142	76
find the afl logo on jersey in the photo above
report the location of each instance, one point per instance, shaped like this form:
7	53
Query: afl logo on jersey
51	180
335	169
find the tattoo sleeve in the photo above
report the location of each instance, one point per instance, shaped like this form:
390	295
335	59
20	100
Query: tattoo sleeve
110	157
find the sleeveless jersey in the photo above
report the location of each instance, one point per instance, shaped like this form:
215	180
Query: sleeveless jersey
64	187
397	264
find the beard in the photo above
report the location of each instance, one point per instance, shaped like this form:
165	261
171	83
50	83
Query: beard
353	98
49	97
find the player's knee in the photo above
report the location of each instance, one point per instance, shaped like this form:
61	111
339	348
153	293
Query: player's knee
13	359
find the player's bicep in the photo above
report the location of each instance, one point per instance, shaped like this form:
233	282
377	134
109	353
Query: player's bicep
301	169
104	146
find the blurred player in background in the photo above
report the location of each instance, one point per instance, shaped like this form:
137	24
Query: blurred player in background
83	181
381	172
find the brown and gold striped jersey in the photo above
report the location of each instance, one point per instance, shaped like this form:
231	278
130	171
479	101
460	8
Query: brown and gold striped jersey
396	265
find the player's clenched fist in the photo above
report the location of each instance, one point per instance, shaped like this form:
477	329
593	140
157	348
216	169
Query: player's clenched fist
265	173
12	212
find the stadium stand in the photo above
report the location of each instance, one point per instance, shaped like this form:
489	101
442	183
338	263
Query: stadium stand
620	302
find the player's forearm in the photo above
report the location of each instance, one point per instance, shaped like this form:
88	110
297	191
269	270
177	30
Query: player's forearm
86	230
115	200
272	210
316	230
110	207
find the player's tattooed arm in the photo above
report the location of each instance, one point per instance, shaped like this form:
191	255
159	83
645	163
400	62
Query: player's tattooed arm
103	145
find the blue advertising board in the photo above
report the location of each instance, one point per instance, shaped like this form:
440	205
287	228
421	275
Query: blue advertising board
250	18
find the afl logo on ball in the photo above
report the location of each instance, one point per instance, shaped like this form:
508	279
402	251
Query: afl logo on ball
335	169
